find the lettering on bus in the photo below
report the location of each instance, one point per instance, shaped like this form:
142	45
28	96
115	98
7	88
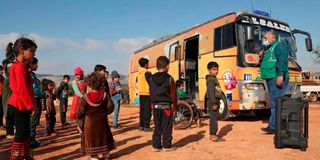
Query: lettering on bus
268	23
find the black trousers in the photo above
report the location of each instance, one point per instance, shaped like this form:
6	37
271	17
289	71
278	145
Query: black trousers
163	128
213	122
22	123
50	123
10	120
63	110
1	112
145	111
35	120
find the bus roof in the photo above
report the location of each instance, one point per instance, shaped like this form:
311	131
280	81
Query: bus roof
170	36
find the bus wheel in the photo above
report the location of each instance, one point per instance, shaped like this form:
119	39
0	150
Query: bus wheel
224	111
313	97
182	119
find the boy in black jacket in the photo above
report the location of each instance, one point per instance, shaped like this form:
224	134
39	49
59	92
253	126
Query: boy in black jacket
214	94
164	97
62	94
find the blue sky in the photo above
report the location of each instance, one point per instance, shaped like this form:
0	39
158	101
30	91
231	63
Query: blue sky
84	33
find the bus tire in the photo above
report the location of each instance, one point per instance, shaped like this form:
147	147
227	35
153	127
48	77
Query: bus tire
224	111
313	97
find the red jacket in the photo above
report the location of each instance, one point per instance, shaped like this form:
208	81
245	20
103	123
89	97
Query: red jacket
22	96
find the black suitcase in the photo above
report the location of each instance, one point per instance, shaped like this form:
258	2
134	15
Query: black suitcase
291	123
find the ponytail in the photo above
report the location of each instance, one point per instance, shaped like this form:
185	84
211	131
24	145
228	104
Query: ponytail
9	51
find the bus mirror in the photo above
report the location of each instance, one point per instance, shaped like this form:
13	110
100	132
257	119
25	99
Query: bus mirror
309	44
249	33
295	45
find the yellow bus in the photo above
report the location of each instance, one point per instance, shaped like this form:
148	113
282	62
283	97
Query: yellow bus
233	41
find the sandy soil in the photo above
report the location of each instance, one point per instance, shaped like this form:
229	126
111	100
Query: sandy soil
244	141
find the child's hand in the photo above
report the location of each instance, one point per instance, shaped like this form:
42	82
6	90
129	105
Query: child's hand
45	112
120	89
34	111
215	107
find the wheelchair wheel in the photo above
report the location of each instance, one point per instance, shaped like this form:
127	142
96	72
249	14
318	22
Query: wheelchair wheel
182	119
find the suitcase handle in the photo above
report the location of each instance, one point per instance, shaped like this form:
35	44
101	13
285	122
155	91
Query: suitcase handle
306	118
287	124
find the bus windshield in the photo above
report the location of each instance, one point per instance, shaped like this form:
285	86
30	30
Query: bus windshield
255	45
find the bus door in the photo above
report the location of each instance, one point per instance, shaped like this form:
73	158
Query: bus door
191	54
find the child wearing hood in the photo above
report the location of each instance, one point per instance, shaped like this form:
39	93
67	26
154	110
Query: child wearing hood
80	88
96	138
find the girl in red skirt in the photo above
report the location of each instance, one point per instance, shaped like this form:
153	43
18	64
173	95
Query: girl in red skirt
80	88
22	98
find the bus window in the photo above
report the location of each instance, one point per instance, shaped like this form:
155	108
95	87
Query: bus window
224	37
173	52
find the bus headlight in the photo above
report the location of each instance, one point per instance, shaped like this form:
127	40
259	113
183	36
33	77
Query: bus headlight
254	86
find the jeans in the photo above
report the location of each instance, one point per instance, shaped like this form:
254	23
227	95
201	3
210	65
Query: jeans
63	110
35	120
274	93
116	111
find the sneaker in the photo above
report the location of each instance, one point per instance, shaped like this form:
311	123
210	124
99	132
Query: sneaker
148	130
172	148
217	139
65	124
35	144
156	149
268	130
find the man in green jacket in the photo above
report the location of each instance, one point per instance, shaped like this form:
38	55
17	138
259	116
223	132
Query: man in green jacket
274	69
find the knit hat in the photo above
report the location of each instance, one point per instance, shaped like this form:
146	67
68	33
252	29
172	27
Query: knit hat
115	74
78	71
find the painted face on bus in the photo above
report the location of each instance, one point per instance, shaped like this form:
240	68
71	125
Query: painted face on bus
213	71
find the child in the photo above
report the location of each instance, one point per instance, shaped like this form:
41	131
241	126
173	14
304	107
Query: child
214	94
101	69
180	89
144	95
38	96
79	88
49	109
6	93
21	101
164	97
62	94
96	138
116	96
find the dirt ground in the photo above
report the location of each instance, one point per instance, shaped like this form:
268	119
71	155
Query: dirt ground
244	141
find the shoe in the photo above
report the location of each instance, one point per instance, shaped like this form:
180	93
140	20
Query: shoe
117	127
156	149
141	128
148	130
172	148
52	134
9	136
65	124
268	130
27	157
217	139
35	144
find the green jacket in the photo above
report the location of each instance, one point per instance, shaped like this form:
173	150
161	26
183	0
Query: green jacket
181	93
275	61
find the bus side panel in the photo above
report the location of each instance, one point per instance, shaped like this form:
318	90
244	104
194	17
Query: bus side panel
227	68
